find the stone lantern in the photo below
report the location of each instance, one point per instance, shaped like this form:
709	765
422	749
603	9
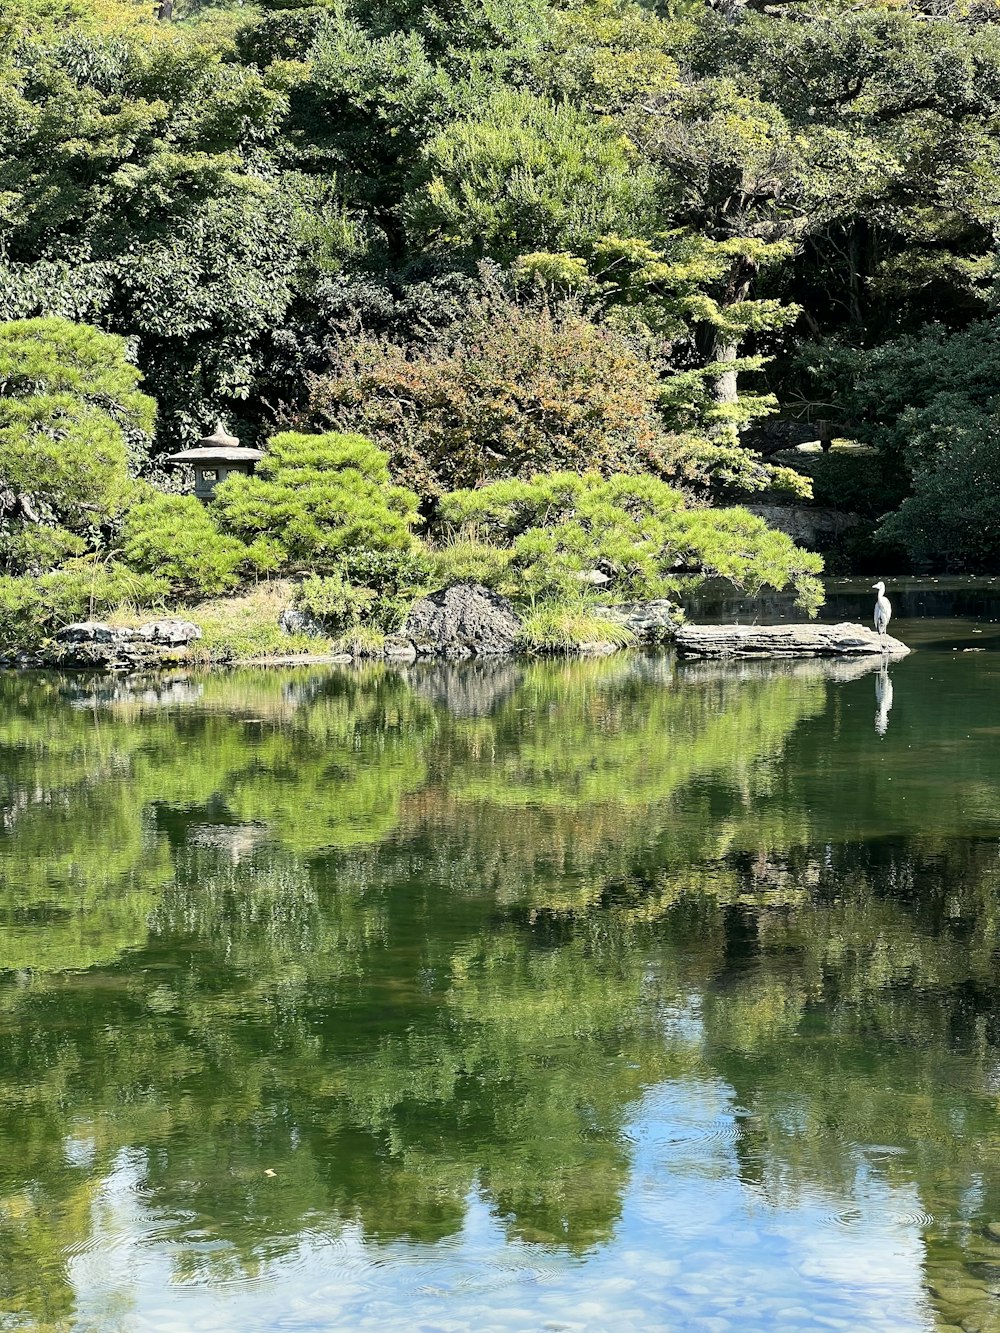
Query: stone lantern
214	458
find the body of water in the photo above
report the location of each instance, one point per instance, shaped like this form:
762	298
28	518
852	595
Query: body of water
604	995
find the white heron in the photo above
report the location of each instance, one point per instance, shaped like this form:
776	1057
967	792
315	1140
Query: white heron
883	610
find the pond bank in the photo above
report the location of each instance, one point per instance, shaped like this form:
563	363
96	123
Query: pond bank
163	644
465	621
462	621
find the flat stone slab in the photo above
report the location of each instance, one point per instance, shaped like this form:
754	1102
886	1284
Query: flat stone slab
786	641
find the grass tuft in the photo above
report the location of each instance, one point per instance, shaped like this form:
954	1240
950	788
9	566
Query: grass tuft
361	641
554	627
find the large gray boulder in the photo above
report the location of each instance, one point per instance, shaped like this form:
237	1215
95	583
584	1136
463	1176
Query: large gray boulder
293	620
466	620
172	632
93	631
785	641
650	622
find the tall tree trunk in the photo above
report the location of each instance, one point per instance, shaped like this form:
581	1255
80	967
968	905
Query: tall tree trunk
855	252
724	347
725	388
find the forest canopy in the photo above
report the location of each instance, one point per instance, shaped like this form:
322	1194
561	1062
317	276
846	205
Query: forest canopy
502	240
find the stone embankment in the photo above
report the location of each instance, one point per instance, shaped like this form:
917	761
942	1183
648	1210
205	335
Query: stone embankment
100	647
844	640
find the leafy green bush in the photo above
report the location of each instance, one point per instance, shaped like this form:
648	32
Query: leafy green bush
557	527
177	538
36	546
527	173
319	496
337	604
366	589
389	573
929	403
950	520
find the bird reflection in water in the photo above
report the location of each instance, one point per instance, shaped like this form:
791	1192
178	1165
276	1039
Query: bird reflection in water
883	701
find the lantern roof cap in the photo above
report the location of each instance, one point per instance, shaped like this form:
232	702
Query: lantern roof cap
219	447
209	454
219	436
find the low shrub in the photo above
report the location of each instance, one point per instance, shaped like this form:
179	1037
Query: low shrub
367	589
33	608
389	573
31	548
337	604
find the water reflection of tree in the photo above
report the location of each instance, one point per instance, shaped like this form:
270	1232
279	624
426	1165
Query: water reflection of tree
446	957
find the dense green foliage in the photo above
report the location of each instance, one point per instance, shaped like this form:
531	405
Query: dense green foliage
82	530
930	404
323	507
518	392
539	537
538	238
177	538
314	497
71	420
293	214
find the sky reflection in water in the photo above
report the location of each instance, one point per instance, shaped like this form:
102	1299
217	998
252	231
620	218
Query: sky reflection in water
693	1249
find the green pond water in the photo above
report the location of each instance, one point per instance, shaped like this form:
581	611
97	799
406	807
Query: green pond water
604	995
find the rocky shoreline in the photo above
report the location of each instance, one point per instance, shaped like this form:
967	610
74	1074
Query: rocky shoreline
95	646
466	621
